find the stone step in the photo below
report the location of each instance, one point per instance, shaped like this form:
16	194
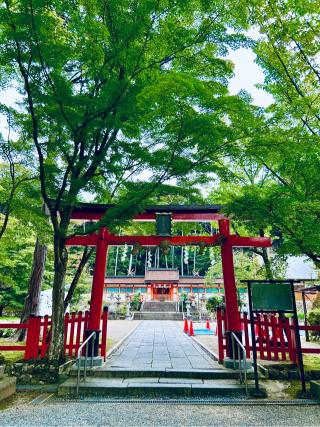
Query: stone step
153	386
7	386
159	306
141	315
203	374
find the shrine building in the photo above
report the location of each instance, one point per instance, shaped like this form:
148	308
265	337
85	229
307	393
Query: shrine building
163	284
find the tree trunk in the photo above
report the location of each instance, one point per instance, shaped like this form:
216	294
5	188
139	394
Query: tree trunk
1	310
265	257
56	350
313	257
31	305
267	263
84	259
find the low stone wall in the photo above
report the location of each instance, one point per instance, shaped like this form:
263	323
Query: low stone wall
289	372
7	385
34	372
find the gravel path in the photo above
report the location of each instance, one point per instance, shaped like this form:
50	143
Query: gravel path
117	329
142	414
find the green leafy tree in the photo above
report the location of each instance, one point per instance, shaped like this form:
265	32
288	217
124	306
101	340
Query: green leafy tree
16	254
246	267
111	89
288	144
233	195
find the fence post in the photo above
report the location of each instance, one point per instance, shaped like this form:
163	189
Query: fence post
80	320
260	336
72	321
220	337
44	325
246	334
266	324
66	333
293	342
33	336
104	331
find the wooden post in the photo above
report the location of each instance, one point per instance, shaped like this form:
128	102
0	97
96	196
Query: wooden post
104	333
33	336
219	333
97	288
230	291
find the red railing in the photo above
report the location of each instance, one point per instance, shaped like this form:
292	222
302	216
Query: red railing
39	334
275	337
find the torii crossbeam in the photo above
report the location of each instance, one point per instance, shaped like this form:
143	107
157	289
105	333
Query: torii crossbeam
194	213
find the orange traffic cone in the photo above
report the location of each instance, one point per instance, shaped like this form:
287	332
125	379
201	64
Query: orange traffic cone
191	331
186	327
208	325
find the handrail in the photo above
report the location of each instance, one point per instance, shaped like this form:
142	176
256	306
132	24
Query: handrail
241	351
85	343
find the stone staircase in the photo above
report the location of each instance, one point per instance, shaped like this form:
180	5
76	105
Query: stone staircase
159	306
158	360
141	315
168	383
158	310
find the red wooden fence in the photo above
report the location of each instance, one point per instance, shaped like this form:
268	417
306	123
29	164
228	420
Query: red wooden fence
275	337
39	334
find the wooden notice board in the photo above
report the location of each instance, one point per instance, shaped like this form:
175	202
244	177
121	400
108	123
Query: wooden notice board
272	297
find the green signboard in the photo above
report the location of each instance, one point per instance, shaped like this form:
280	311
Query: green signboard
272	297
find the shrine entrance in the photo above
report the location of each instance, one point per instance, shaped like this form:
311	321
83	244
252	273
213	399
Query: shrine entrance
162	292
163	216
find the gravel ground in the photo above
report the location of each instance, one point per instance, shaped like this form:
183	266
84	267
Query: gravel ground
117	329
143	414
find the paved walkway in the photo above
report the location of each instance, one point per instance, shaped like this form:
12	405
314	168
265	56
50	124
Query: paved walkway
157	344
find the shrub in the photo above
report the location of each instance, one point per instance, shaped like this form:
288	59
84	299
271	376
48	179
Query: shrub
213	302
7	333
314	319
135	302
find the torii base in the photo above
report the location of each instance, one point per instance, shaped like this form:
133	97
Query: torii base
234	364
93	344
96	362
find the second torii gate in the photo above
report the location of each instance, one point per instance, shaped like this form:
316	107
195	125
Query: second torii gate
193	213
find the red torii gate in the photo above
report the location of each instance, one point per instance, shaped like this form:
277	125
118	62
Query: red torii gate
193	213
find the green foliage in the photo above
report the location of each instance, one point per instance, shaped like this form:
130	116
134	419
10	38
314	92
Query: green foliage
275	207
287	146
246	267
249	218
213	302
114	89
110	90
16	257
314	319
16	254
84	285
135	302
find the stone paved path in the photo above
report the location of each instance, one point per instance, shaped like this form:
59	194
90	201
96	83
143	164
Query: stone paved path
160	345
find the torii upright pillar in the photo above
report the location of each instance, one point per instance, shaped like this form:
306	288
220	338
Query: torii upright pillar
97	289
231	297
